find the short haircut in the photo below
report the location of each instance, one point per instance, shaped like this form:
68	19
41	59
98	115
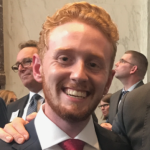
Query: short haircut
140	61
106	98
30	43
83	12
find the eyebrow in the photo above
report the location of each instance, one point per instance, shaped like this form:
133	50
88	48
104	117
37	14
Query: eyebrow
70	50
103	104
28	58
63	50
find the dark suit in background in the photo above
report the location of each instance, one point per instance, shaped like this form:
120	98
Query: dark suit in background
95	119
133	118
17	105
114	101
3	113
107	140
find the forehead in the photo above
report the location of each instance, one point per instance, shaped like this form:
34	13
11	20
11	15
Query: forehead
13	96
26	52
127	56
102	102
80	37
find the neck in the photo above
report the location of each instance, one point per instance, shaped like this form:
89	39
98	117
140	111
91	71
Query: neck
36	88
130	82
70	128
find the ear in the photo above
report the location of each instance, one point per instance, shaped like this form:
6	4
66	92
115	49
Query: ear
37	68
133	69
109	81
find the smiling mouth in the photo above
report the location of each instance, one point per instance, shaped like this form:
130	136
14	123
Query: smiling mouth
75	93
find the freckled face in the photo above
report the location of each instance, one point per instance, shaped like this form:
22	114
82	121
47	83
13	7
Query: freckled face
76	70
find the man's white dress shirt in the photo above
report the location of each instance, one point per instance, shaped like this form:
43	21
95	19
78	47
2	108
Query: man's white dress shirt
50	135
40	101
130	89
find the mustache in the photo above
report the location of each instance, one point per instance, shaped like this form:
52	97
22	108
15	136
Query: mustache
78	86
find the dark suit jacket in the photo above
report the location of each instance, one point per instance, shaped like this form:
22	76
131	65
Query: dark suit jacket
107	140
114	100
133	118
17	105
3	113
95	119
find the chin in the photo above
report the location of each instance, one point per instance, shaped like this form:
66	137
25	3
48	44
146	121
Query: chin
27	84
72	115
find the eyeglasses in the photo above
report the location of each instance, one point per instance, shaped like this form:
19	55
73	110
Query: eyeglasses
105	105
124	61
25	63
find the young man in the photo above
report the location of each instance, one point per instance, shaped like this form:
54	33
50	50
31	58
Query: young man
77	50
130	70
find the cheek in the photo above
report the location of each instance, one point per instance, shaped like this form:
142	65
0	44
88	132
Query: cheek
100	83
19	73
99	79
108	109
31	70
55	76
123	68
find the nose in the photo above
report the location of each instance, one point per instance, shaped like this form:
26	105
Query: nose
117	64
20	67
102	108
79	72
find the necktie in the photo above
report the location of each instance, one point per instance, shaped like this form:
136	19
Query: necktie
72	144
122	95
33	104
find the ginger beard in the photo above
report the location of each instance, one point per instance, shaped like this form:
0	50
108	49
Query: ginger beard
75	114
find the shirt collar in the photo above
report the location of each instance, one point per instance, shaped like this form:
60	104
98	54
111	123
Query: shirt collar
51	134
132	87
40	93
88	134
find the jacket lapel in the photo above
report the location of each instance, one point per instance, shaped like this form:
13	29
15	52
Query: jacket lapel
139	84
114	106
22	105
118	96
32	143
109	140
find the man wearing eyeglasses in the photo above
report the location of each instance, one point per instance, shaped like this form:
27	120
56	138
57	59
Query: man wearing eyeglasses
130	70
31	102
104	106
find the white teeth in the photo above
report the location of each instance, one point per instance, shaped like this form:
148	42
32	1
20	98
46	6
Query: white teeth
83	94
76	93
80	94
